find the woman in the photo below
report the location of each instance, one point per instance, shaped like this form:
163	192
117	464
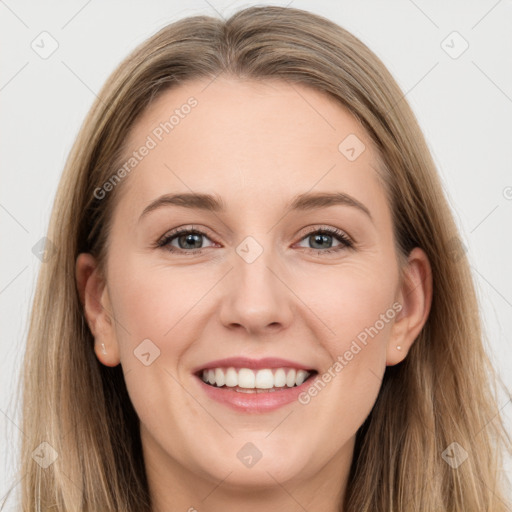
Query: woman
259	370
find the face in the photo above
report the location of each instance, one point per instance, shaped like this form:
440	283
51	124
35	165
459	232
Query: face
271	272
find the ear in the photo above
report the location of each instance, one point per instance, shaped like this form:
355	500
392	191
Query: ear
415	296
95	300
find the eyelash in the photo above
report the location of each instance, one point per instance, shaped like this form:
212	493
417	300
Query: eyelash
346	242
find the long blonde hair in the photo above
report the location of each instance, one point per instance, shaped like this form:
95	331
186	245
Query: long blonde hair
444	392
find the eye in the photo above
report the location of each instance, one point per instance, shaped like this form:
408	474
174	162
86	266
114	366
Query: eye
186	238
322	237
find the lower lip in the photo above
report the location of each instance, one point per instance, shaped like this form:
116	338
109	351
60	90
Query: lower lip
255	402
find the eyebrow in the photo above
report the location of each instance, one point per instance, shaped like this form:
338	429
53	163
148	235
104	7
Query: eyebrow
213	203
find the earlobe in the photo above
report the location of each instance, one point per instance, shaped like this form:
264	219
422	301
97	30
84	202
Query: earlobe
415	296
94	297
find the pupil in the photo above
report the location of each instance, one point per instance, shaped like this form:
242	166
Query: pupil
189	239
319	238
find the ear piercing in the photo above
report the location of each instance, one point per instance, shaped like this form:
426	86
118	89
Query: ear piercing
103	348
398	347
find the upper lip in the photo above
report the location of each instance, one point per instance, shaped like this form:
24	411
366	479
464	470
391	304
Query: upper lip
245	362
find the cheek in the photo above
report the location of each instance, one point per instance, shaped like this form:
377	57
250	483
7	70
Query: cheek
358	305
355	302
157	322
363	317
153	304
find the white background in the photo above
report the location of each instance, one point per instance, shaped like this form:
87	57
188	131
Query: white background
464	106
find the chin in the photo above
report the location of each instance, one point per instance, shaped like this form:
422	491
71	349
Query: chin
257	465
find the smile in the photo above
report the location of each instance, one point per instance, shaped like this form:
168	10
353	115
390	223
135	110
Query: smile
254	391
255	381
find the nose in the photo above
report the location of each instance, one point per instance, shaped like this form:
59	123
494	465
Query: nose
256	294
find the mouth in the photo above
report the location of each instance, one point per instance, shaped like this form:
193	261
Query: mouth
255	381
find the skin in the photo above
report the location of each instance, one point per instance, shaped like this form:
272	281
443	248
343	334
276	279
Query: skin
255	144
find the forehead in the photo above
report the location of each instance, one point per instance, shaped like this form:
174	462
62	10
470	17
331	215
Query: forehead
231	137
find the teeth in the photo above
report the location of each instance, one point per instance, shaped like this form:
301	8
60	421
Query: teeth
280	378
264	379
290	378
231	378
219	377
301	377
246	378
